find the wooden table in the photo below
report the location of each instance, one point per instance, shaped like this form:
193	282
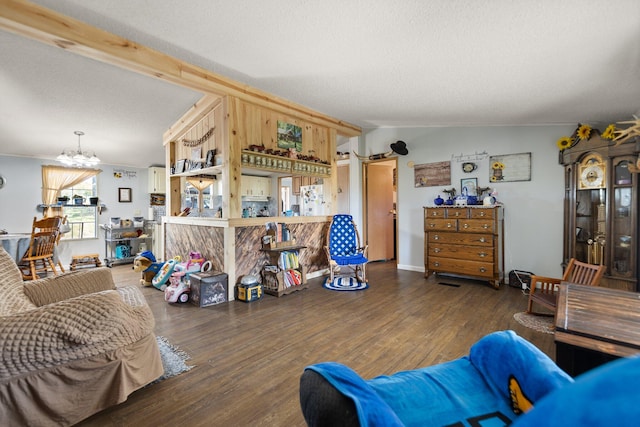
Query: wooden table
595	325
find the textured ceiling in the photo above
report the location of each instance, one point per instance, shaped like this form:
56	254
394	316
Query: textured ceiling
371	63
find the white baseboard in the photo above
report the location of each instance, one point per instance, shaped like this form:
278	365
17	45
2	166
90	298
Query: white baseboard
411	268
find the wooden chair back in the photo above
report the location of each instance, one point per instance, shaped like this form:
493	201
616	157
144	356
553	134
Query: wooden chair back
583	273
544	290
44	237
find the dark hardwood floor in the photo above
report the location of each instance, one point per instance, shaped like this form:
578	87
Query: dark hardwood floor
248	357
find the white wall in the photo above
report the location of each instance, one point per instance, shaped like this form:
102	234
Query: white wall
533	209
22	193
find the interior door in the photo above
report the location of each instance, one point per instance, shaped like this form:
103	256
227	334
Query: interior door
380	217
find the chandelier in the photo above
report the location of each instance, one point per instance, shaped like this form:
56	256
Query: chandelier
77	158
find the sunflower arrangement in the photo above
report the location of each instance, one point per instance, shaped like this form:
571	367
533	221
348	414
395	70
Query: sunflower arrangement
609	132
497	171
584	132
564	143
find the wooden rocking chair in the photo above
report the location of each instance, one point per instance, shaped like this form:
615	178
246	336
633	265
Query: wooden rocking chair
344	248
547	294
39	256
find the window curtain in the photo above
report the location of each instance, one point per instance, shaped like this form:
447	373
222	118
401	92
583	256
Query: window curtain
56	178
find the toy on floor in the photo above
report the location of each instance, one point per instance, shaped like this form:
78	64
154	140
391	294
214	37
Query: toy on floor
147	265
195	263
161	278
178	289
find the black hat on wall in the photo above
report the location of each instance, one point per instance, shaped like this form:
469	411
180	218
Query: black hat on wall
400	147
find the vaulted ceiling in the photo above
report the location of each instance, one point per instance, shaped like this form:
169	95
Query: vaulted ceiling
370	63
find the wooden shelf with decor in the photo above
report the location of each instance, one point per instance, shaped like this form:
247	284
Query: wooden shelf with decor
283	164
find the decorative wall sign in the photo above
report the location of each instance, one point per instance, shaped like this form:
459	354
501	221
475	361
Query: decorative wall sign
432	174
289	136
475	157
122	173
199	141
510	167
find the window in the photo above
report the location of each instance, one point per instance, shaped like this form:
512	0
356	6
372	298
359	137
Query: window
82	218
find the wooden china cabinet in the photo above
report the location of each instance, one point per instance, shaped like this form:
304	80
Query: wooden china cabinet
601	208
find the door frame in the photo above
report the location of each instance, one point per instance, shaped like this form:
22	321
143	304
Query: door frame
365	200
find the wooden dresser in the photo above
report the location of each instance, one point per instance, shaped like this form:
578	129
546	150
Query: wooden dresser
465	241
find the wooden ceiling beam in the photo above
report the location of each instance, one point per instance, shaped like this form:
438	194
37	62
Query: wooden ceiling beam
36	22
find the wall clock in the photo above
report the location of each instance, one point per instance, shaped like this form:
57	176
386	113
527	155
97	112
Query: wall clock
469	167
592	174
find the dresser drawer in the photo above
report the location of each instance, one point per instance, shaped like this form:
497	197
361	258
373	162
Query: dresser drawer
462	267
460	238
441	224
434	213
482	213
463	252
457	212
477	225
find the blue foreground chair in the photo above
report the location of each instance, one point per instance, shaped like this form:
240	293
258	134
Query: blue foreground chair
504	380
344	248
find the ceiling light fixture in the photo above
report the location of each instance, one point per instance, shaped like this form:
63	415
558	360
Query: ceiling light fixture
77	158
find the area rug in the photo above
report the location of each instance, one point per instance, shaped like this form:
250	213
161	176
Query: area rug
173	359
344	283
542	324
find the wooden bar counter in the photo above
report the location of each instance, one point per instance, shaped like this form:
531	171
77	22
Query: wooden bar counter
233	245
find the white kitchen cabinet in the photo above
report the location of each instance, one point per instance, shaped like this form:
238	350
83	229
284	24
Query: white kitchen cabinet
157	180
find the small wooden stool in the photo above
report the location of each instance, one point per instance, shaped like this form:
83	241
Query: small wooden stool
92	260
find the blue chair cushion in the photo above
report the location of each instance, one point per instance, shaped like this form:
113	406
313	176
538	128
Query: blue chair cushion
349	260
458	392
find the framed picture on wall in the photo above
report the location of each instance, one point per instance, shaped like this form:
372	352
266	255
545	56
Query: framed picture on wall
510	167
210	158
180	166
289	136
124	195
470	185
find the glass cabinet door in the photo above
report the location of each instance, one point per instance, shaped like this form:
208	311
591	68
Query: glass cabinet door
623	239
591	217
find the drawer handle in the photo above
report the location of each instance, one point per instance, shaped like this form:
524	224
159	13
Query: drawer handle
436	250
437	264
432	225
449	225
436	237
482	254
481	213
485	226
483	240
483	270
434	213
465	226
